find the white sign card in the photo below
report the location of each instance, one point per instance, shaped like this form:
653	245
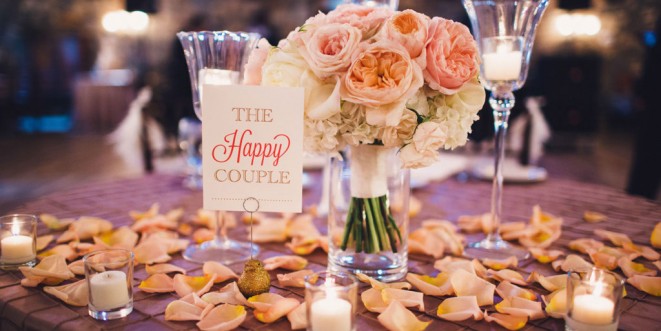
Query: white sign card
252	147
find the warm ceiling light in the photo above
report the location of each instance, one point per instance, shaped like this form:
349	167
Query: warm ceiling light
139	21
569	24
114	21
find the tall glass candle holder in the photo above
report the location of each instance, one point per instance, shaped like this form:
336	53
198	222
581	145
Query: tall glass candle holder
505	32
331	301
18	243
109	275
593	300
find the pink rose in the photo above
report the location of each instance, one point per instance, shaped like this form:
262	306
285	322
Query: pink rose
412	158
428	136
382	77
256	60
452	57
366	19
409	29
328	48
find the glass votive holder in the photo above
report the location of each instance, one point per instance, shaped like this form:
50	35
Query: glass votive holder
593	300
109	275
331	301
18	241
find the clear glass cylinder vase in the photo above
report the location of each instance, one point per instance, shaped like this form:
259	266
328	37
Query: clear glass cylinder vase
368	216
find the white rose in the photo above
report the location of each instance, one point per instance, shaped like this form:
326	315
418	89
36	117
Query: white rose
322	98
412	158
283	69
428	136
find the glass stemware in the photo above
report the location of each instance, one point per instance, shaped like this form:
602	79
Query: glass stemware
505	32
218	58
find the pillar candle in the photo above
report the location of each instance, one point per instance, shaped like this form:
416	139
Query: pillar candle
330	314
109	290
502	65
593	309
17	249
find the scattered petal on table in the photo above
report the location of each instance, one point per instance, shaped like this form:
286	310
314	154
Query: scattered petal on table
655	237
298	317
43	241
256	217
465	283
157	283
545	256
647	252
294	279
647	284
507	274
123	237
550	283
630	268
65	251
617	239
302	226
499	264
184	229
447	233
77	267
593	216
511	226
85	228
452	264
438	286
507	290
228	294
222	318
423	242
575	263
407	298
155	223
203	234
397	318
175	215
55	223
52	270
264	301
381	285
185	285
657	264
151	252
373	300
543	237
277	310
163	268
556	303
459	309
270	230
510	322
289	262
521	307
604	260
307	245
151	212
583	245
480	270
557	264
75	294
475	223
188	308
222	272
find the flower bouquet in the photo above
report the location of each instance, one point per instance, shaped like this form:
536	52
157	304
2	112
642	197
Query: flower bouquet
376	80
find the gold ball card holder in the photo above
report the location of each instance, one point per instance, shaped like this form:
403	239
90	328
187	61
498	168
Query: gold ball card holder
254	279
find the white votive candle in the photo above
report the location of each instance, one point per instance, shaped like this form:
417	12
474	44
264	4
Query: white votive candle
108	290
593	309
218	76
17	249
330	314
502	65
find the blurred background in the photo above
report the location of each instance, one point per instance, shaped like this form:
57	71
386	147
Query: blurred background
70	70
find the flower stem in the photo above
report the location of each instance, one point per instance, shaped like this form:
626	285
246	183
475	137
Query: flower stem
370	227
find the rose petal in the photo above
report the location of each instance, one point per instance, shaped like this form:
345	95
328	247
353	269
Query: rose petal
603	260
188	308
521	307
594	217
270	230
543	237
157	283
510	322
373	301
228	294
294	279
556	303
647	284
645	251
574	262
459	309
617	239
123	237
507	290
151	212
557	264
276	311
151	252
55	223
657	264
475	223
222	272
511	226
407	298
43	241
77	267
306	245
450	264
630	268
507	274
264	301
397	318
465	283
499	264
65	251
158	222
222	318
185	285
163	268
551	283
298	317
289	262
302	226
75	294
381	285
584	245
85	228
655	237
52	270
438	286
421	241
545	256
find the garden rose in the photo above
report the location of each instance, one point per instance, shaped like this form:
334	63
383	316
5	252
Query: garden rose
428	137
409	29
283	69
382	78
328	48
412	158
253	71
452	56
367	19
322	98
